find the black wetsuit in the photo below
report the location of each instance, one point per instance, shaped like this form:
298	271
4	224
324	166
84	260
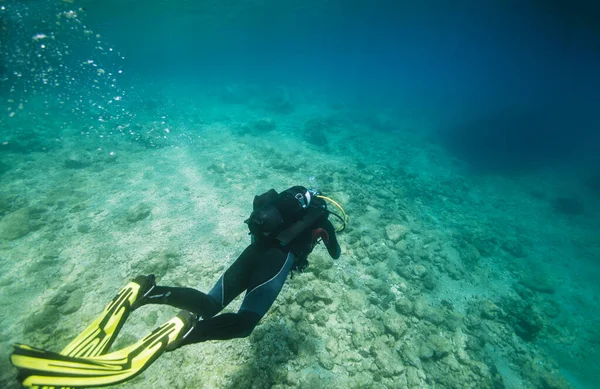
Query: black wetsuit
261	271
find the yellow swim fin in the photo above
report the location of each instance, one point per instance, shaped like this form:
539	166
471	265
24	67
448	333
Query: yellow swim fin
45	368
97	338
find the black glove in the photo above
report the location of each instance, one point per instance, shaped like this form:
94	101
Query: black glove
299	265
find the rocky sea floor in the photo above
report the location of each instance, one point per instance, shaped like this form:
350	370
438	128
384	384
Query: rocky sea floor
447	279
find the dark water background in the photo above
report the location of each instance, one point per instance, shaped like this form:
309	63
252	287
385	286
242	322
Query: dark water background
511	84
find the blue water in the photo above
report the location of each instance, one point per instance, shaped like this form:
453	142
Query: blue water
473	123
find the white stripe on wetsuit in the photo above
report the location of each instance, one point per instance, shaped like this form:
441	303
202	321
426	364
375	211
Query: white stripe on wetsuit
290	255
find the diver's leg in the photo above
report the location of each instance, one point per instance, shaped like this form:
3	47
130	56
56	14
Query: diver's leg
233	282
188	299
265	284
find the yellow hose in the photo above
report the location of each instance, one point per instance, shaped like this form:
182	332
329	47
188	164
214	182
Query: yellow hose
339	207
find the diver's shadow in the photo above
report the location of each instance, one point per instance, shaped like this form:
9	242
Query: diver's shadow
275	342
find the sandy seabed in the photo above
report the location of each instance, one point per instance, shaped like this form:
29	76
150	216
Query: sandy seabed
447	279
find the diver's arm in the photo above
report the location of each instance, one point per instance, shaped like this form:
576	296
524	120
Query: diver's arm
333	247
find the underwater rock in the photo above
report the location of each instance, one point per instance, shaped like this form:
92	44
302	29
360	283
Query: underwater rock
414	271
456	272
419	308
525	320
385	194
172	253
379	287
285	167
317	125
264	125
73	303
523	292
16	224
489	310
514	247
332	346
409	353
379	254
542	376
296	313
320	263
351	240
326	361
280	102
314	132
474	343
551	308
321	318
354	300
322	293
389	364
539	283
304	296
394	324
403	306
435	347
367	240
44	321
395	232
424	311
429	281
568	206
472	319
76	163
417	254
475	243
219	169
415	377
452	320
49	263
157	263
379	270
328	275
138	212
84	228
362	379
434	315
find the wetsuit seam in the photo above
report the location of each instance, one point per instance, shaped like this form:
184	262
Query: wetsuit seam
274	277
223	291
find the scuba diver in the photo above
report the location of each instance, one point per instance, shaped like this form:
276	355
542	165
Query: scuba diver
284	227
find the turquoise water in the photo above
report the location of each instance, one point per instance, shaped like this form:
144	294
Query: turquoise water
461	139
